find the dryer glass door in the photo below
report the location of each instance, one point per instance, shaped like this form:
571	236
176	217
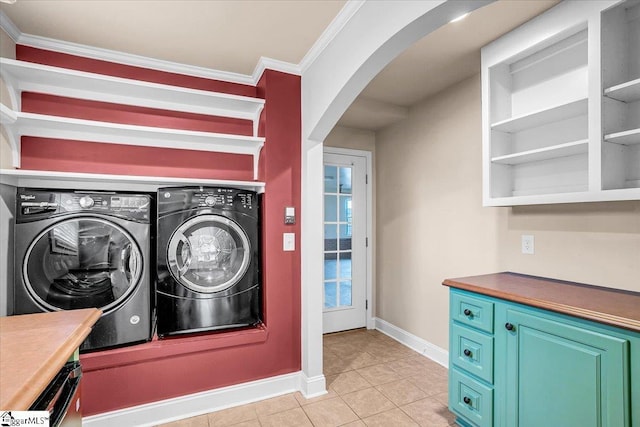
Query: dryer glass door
208	253
80	263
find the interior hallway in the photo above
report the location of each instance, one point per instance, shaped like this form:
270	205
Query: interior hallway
372	381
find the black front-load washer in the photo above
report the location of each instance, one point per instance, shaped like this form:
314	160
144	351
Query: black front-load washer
86	249
208	259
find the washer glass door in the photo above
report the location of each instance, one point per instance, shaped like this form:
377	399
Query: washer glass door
208	253
82	262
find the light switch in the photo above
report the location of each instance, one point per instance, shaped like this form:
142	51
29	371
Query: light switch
289	241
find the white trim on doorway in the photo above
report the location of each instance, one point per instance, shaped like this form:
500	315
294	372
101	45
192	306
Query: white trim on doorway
369	219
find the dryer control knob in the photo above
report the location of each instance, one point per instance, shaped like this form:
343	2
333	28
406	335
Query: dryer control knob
86	202
210	201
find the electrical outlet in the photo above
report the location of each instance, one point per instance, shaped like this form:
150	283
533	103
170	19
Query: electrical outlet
528	244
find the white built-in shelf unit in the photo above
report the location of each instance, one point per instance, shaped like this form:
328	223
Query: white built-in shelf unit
553	132
20	76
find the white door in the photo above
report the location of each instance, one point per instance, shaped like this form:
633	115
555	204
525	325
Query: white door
345	241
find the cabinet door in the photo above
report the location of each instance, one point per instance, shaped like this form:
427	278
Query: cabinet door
562	375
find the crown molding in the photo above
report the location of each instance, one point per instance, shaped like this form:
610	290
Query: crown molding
9	27
131	59
274	64
341	19
345	14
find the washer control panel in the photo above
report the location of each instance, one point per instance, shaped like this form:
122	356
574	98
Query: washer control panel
35	204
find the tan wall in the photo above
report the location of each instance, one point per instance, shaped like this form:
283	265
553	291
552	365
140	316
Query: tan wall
354	139
596	243
7	45
7	50
431	224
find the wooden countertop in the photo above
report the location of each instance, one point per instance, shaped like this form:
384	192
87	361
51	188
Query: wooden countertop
604	305
33	349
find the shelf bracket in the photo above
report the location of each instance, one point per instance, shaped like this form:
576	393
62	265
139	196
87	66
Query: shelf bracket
8	119
13	90
256	120
256	161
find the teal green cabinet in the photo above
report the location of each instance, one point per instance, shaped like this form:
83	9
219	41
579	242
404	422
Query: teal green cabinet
562	375
471	361
512	365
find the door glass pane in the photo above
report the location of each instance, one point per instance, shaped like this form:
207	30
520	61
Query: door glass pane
82	263
345	180
330	294
345	293
345	265
331	208
330	179
345	209
345	237
337	237
330	266
330	237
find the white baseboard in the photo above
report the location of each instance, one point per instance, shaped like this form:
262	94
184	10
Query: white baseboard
169	410
312	387
432	351
178	408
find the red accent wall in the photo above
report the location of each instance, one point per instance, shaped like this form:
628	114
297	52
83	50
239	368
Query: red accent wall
163	369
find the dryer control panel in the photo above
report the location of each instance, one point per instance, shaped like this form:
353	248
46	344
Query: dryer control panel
224	199
35	204
207	199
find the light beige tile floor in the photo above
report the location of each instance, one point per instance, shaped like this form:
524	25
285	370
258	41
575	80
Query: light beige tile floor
372	380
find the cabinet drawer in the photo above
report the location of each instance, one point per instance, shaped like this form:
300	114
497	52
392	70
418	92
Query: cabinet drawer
472	311
472	351
470	399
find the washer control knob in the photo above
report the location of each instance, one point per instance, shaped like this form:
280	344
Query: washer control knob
86	202
210	200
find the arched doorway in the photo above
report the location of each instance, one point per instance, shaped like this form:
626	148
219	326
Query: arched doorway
330	82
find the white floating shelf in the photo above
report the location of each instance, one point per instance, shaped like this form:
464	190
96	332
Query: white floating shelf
541	117
44	126
628	137
546	153
566	197
26	76
625	92
90	181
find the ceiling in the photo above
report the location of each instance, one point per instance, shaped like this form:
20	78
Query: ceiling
231	36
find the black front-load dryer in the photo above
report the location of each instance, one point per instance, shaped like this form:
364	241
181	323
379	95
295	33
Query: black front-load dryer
208	259
86	249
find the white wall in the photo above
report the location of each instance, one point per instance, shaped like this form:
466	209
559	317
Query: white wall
431	224
7	194
7	210
7	50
